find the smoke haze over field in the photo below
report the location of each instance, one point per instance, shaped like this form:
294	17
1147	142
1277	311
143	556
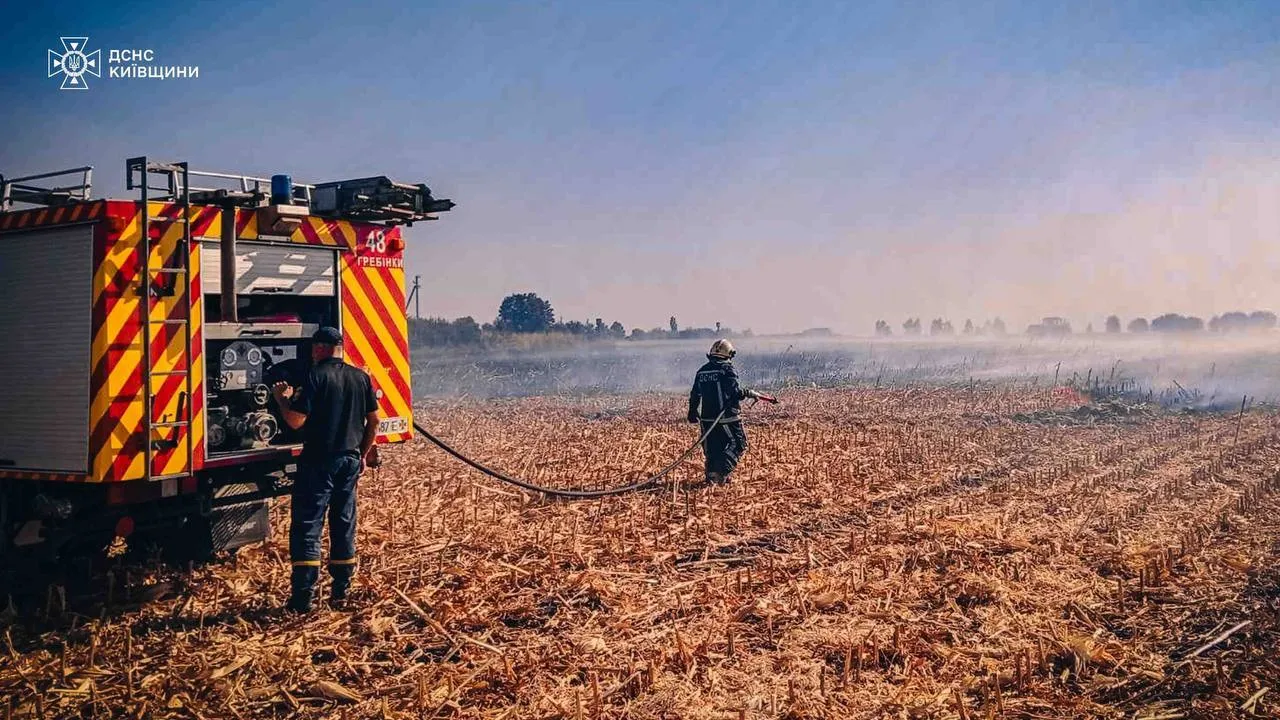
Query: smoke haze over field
767	165
1204	372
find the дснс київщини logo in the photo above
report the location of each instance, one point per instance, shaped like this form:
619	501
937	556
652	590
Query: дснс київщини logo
74	63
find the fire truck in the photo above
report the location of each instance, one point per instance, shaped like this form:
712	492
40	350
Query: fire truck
139	339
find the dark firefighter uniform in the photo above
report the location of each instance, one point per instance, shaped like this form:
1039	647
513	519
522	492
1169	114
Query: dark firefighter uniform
715	390
338	400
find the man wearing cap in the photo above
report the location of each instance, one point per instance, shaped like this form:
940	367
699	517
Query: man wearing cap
338	415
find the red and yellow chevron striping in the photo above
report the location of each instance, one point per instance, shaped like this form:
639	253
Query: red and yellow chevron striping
312	231
374	324
373	320
35	217
117	428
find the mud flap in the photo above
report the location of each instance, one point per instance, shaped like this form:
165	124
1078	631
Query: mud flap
238	525
241	523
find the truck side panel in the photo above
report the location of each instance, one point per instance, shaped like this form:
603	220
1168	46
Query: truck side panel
44	351
118	434
373	318
198	424
374	325
176	302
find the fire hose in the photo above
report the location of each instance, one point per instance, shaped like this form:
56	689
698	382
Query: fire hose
645	484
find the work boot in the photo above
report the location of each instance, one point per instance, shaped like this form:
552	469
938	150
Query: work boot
338	597
299	604
302	583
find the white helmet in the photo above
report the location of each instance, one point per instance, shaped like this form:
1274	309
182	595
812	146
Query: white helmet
721	349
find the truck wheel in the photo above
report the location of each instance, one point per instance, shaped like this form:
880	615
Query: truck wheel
190	543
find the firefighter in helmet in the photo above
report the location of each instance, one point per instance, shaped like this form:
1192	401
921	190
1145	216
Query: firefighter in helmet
715	391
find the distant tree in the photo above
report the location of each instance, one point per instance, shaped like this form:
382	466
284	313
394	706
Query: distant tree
466	330
437	332
699	333
429	332
1175	323
1242	322
616	330
1262	320
940	326
1113	324
968	327
717	328
1138	325
883	329
1088	329
911	326
675	327
601	328
997	327
1230	322
525	313
1166	322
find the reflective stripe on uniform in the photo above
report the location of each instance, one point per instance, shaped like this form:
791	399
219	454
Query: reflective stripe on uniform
348	561
306	563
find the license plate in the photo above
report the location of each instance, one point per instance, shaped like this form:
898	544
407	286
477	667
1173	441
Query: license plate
393	426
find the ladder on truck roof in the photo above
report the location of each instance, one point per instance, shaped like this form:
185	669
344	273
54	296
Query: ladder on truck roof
243	190
375	199
21	190
139	173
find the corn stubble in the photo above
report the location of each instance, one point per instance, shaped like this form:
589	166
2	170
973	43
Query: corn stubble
897	552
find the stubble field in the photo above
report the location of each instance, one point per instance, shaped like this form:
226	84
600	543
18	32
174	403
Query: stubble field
969	552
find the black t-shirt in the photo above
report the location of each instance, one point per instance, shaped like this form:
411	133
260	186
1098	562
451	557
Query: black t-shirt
336	398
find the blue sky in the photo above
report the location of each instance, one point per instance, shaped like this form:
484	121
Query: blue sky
772	165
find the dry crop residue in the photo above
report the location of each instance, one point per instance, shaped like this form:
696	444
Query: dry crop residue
881	553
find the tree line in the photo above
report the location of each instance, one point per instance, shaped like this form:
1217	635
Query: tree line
529	314
942	327
1235	321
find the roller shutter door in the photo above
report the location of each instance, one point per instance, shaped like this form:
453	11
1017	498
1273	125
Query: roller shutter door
45	337
298	270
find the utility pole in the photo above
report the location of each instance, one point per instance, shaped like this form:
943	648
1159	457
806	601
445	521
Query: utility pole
414	298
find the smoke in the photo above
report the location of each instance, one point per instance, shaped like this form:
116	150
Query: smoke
1202	371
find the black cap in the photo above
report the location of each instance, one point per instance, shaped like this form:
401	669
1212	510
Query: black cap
328	336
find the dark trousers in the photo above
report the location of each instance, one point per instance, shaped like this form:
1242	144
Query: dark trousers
724	447
325	484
